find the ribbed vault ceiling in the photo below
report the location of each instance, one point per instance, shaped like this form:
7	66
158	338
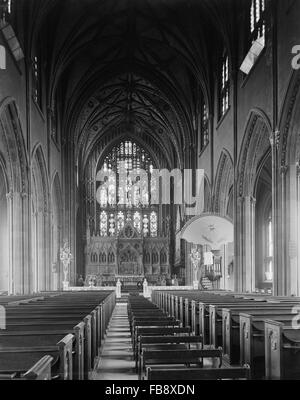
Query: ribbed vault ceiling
138	66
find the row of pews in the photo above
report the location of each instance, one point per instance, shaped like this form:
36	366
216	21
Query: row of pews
164	349
53	335
258	330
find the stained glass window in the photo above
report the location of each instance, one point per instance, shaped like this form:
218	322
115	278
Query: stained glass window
269	249
137	221
145	225
112	225
36	78
224	86
257	21
103	223
130	156
120	221
153	224
125	197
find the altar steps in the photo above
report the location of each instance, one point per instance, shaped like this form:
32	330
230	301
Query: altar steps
123	299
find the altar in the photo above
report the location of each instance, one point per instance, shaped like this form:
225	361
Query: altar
130	256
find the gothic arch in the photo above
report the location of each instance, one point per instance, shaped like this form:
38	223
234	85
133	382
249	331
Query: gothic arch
56	231
255	144
12	141
4	233
41	272
223	183
289	123
289	185
207	194
14	166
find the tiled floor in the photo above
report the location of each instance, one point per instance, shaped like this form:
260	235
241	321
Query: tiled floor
116	361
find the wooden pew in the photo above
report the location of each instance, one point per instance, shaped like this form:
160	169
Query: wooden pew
197	374
56	314
252	340
165	343
216	316
46	338
177	357
157	331
83	337
231	326
21	359
282	345
41	371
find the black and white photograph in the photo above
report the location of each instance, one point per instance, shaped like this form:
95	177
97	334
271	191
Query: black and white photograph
149	193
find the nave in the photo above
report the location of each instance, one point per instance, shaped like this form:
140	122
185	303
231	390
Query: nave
181	335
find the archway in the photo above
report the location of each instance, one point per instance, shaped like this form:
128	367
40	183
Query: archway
56	232
4	234
256	145
14	201
40	271
263	226
223	205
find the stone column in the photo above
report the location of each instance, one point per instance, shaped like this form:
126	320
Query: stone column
17	235
283	233
245	267
277	278
26	212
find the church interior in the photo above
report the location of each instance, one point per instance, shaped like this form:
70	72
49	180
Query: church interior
194	252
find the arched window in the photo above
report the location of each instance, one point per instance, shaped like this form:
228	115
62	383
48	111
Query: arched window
153	224
224	85
145	225
103	223
125	196
269	248
257	21
137	221
112	225
120	221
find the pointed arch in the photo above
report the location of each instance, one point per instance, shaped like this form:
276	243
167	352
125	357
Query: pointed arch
223	182
255	144
41	272
14	164
207	194
56	231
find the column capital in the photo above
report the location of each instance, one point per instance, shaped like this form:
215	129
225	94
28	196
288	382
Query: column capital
298	168
274	138
9	195
283	169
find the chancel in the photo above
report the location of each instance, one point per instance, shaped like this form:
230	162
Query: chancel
149	190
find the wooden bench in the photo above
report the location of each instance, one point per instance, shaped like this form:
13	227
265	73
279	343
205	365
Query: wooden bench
46	319
231	326
157	331
177	357
165	343
197	374
216	316
252	340
21	359
282	351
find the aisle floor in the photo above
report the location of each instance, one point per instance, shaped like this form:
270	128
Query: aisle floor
116	361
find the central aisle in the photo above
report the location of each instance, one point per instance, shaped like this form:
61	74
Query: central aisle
116	360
